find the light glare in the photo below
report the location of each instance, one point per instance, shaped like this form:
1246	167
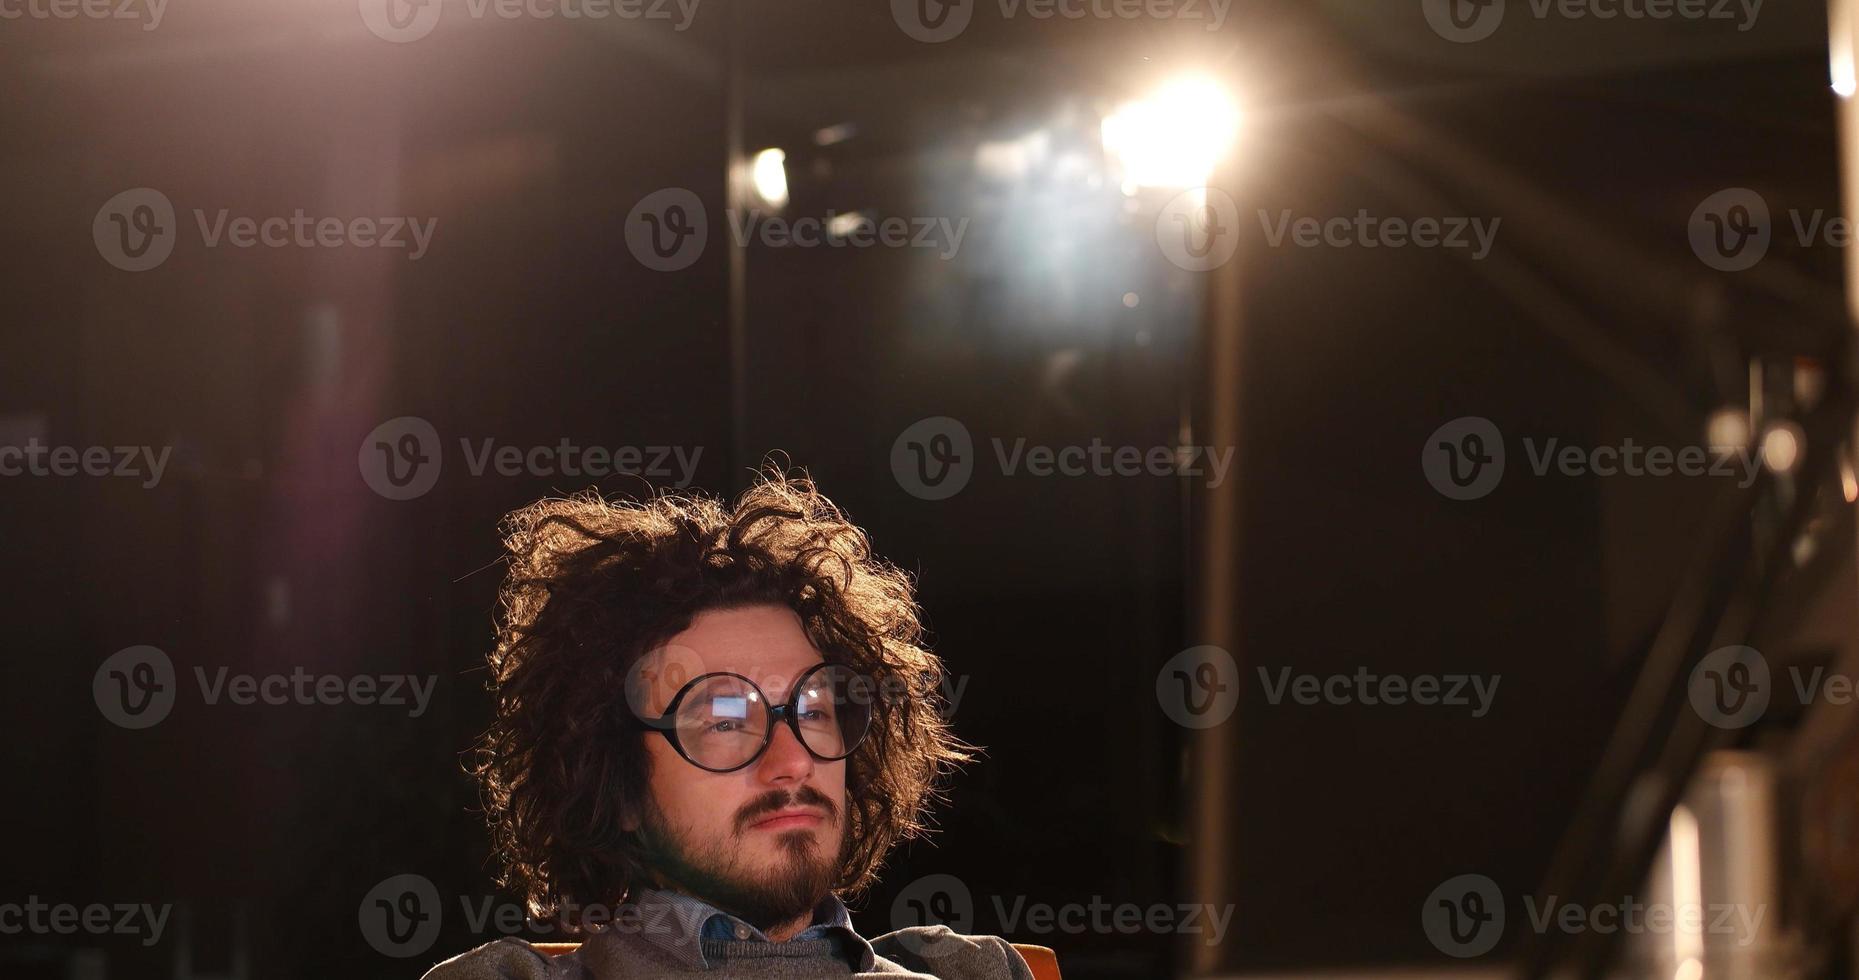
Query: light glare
1840	50
769	174
1174	138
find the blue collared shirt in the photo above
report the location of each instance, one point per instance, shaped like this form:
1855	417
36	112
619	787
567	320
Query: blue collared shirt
694	920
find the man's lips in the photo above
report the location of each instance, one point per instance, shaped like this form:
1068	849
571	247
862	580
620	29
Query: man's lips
787	819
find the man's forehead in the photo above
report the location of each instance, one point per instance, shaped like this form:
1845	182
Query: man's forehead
672	666
764	644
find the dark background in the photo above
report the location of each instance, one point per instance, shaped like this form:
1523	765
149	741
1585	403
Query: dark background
1057	598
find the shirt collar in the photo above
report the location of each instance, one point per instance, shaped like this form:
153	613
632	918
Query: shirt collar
678	924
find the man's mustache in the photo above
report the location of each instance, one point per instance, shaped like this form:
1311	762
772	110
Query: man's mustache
778	800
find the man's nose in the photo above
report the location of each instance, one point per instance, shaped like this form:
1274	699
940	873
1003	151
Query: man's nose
786	759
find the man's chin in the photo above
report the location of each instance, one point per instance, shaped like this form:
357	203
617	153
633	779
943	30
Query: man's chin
789	880
786	858
767	878
799	838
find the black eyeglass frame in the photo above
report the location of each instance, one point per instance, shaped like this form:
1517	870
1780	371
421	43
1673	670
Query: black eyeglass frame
667	723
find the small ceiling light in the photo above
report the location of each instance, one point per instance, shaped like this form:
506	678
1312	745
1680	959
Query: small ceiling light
768	173
1781	447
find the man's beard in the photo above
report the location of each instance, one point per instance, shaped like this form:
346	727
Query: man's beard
801	877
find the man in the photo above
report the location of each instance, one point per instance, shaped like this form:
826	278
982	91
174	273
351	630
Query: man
711	722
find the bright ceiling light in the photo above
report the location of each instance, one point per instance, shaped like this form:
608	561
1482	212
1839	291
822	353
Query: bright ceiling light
768	173
1174	138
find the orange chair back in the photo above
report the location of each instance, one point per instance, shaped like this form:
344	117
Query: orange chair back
1045	962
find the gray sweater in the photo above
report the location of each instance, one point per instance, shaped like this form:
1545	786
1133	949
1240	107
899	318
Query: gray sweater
930	952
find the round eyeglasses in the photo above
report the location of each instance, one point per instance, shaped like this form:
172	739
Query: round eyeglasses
722	722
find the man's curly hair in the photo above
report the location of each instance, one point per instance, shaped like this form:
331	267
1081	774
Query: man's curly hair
594	585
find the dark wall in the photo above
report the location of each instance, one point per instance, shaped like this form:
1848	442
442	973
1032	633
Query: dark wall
1054	600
